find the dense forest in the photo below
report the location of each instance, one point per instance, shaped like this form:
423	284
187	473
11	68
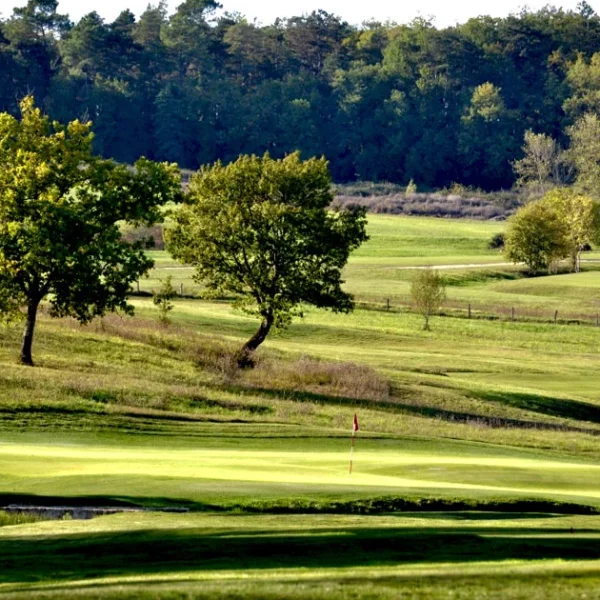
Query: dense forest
383	102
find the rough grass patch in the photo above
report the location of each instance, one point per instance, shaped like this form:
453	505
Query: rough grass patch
349	380
18	518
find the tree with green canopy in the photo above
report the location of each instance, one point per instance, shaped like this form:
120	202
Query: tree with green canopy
60	206
581	217
261	229
583	153
427	291
543	165
537	235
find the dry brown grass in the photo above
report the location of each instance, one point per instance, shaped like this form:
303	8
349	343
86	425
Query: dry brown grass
342	379
272	371
435	205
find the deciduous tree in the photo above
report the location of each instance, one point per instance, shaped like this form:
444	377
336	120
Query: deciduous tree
537	235
260	229
542	165
584	154
427	291
59	210
581	218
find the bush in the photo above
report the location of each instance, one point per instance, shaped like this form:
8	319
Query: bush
497	242
162	300
427	292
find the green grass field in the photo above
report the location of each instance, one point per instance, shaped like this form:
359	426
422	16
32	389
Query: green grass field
381	271
475	473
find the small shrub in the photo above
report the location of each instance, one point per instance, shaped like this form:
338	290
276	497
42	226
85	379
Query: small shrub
162	300
411	188
219	357
18	518
497	242
427	291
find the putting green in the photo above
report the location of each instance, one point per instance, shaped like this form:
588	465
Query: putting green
54	468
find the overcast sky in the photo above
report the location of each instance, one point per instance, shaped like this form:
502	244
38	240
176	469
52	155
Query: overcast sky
265	11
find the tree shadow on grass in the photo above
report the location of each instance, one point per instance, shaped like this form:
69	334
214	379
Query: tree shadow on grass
547	405
575	410
419	505
122	553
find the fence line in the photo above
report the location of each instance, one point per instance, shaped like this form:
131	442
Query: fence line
509	313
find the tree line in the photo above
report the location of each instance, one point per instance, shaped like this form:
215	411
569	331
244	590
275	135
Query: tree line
383	102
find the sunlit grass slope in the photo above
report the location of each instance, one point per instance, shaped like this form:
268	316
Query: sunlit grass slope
441	412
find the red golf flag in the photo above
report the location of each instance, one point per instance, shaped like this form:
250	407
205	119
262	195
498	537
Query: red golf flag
355	426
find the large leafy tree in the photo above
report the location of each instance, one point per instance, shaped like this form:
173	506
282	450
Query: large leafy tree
537	235
260	229
59	211
581	216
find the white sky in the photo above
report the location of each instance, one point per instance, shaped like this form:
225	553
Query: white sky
354	11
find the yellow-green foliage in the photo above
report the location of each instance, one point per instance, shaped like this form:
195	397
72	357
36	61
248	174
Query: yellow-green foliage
427	292
581	216
537	236
558	226
60	208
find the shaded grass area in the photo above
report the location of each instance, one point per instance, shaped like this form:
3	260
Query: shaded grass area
571	584
151	552
511	508
558	407
216	556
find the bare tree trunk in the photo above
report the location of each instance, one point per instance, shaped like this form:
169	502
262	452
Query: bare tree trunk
26	358
576	260
245	355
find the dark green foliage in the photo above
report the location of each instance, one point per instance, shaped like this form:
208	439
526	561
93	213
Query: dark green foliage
260	229
381	102
497	242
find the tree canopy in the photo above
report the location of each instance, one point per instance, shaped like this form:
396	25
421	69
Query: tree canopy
536	236
558	226
380	101
260	229
427	292
60	206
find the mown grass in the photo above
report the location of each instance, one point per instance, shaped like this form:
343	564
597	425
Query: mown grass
497	417
213	556
381	271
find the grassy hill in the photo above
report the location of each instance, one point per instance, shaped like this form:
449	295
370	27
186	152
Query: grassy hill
475	470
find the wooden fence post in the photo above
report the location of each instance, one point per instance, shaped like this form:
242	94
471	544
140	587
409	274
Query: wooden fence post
387	302
512	313
555	316
469	310
181	289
